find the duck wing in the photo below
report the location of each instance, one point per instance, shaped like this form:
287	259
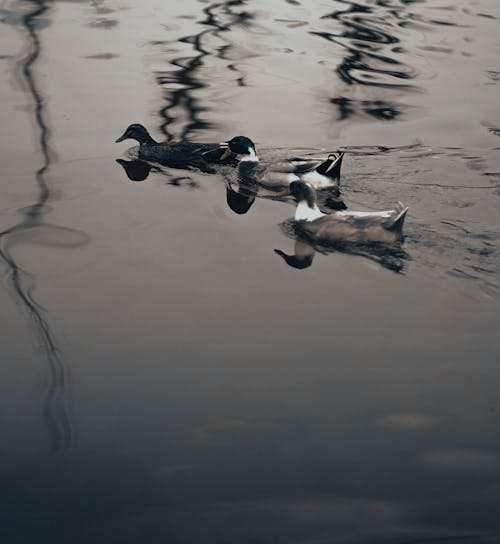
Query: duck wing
389	219
327	167
320	175
277	175
175	151
214	153
292	166
186	154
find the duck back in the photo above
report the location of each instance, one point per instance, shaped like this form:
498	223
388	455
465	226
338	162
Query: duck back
349	228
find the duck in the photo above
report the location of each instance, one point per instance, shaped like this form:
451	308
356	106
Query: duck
179	154
359	227
277	175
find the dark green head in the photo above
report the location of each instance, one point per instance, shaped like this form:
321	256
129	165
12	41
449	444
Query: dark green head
136	132
241	145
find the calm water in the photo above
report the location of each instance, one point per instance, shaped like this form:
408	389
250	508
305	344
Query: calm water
172	371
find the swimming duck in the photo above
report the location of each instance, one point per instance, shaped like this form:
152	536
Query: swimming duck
178	154
276	175
344	226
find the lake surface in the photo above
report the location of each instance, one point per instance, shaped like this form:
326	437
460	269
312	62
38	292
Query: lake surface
173	371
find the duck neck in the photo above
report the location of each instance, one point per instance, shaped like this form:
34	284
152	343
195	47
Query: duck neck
146	139
305	212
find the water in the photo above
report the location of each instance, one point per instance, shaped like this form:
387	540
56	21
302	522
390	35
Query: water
172	371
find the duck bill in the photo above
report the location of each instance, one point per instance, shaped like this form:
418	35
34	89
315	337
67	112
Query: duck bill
124	136
227	153
285	192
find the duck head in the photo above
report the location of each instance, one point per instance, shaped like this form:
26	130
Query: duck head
302	192
242	146
305	195
136	132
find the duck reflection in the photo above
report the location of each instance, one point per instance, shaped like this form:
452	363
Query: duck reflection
389	256
241	200
302	257
138	170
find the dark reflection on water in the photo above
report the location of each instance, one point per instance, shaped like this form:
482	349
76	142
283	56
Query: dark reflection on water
180	85
366	33
370	35
239	200
34	230
243	198
138	170
374	40
379	109
302	256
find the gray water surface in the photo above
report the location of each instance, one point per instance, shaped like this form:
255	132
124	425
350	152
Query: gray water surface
173	371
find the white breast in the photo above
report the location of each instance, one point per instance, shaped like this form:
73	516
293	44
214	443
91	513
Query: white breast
304	212
251	157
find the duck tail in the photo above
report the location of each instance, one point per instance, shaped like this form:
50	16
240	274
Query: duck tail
399	220
331	167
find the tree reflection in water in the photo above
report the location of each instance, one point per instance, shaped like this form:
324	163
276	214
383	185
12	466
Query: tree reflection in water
181	85
33	229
